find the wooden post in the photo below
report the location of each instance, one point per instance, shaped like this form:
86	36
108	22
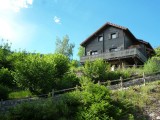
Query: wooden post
144	79
121	79
52	93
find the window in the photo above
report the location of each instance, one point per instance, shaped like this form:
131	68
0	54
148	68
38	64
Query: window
100	38
94	52
113	49
113	35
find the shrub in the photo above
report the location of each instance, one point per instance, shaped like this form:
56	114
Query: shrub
92	101
41	110
69	80
4	91
5	56
40	73
152	65
6	78
96	70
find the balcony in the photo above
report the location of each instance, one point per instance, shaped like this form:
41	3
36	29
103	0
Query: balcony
134	52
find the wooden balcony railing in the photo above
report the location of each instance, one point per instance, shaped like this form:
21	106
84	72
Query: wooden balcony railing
114	55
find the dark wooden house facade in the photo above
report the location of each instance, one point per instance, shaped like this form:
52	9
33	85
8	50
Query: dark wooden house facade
117	45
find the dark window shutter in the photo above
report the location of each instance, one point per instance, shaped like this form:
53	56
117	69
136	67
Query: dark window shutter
109	36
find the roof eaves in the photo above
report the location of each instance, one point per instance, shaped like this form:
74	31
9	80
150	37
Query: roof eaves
105	25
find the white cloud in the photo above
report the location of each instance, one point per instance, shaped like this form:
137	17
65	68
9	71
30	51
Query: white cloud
15	5
57	20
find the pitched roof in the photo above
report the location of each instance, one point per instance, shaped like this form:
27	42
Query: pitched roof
120	27
103	27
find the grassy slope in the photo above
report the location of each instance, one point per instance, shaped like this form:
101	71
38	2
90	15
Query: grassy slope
146	98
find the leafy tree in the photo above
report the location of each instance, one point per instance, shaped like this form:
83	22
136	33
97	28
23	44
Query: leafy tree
81	51
64	47
6	65
41	73
6	78
5	56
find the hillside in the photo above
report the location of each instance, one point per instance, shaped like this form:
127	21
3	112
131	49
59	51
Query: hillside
146	98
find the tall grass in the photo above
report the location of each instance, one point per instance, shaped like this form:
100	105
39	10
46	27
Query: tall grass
138	96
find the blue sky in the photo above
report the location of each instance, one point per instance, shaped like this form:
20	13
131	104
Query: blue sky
34	24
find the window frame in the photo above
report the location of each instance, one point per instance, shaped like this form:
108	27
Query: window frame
95	52
100	38
113	35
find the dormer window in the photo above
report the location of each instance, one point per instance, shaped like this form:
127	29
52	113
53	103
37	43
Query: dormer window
100	38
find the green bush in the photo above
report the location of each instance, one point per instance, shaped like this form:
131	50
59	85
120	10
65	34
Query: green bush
69	80
6	78
40	73
5	56
46	110
152	65
4	91
91	101
99	70
96	70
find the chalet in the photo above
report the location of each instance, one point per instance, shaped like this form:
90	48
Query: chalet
117	45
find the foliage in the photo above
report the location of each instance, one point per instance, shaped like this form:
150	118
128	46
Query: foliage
99	70
96	70
4	91
81	51
69	80
39	73
133	71
19	94
114	75
6	78
64	47
91	101
42	110
152	65
6	60
134	94
157	50
74	63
